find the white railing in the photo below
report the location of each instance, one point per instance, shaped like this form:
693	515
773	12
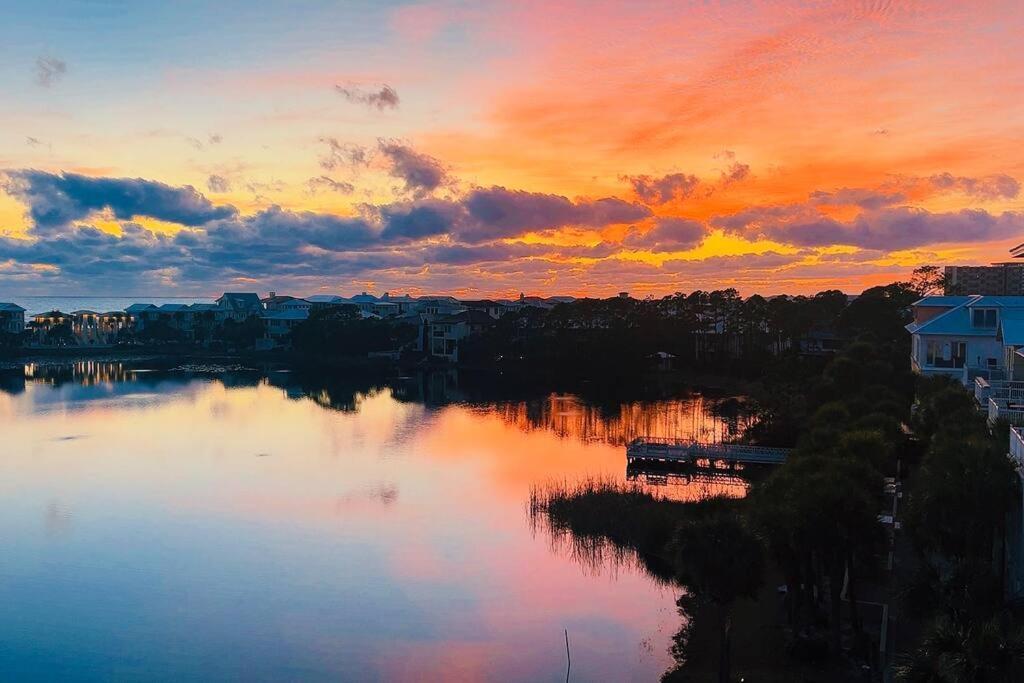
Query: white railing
982	390
1005	409
660	448
1010	390
1017	446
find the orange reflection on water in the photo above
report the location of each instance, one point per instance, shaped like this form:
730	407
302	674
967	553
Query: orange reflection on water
390	540
568	416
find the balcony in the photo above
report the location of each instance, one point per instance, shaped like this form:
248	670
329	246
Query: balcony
1007	390
1009	409
1017	447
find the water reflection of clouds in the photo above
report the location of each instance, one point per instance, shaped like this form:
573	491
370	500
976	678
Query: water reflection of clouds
385	538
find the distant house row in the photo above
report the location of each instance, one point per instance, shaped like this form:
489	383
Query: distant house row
442	321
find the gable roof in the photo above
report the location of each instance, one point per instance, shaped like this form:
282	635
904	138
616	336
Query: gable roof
957	320
404	298
941	301
278	299
240	301
138	308
15	308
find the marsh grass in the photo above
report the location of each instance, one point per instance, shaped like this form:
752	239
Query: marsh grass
606	523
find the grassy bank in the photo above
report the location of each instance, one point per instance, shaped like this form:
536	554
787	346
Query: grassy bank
607	521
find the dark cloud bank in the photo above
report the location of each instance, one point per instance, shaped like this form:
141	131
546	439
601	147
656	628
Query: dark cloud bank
217	244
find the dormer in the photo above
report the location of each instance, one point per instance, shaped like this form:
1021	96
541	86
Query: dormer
984	318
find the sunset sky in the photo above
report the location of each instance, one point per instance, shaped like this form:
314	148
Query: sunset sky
486	148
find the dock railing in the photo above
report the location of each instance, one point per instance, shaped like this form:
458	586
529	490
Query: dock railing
688	450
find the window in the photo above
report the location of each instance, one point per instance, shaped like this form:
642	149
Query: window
945	354
983	317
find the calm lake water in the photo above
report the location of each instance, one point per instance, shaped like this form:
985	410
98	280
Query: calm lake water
181	525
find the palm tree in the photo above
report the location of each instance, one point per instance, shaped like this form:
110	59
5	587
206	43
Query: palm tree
955	650
719	559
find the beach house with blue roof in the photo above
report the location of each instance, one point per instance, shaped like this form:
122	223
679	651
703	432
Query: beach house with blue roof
967	336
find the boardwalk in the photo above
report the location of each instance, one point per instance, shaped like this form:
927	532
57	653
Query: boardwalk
646	448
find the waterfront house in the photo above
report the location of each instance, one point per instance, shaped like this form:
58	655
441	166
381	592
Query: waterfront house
278	326
960	336
819	341
239	306
282	302
91	328
404	304
495	309
85	325
441	336
12	318
137	315
371	306
111	324
318	302
52	328
538	302
431	306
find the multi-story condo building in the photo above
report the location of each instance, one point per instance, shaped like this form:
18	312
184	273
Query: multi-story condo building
998	279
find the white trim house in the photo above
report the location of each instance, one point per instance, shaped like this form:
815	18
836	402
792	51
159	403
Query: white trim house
963	336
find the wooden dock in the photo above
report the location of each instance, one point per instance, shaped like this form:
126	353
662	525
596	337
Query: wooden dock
654	449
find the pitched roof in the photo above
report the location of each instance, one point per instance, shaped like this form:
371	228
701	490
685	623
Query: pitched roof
11	307
240	300
136	308
1011	327
999	302
957	320
941	301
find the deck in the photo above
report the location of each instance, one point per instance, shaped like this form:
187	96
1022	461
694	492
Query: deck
646	448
